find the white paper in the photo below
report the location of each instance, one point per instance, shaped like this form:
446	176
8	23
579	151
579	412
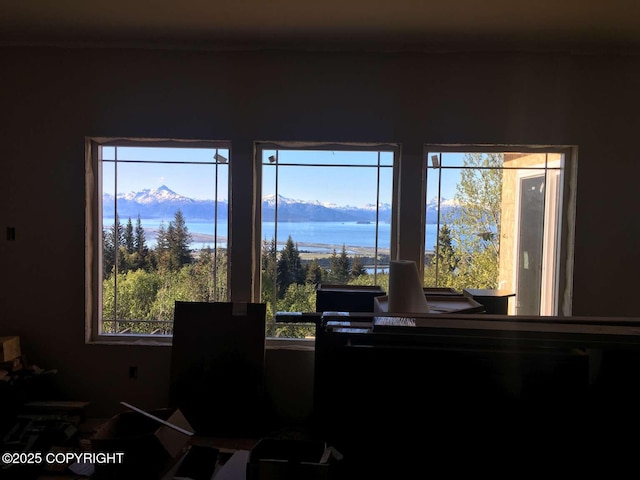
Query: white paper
406	293
235	468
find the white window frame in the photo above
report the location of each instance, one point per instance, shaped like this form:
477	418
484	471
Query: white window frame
259	147
93	232
565	240
550	242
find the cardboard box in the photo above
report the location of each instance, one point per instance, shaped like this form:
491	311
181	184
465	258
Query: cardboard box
149	447
217	367
286	459
9	348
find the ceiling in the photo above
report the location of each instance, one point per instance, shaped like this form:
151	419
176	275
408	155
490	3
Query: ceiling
373	24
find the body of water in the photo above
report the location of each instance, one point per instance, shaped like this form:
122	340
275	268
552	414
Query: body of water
310	236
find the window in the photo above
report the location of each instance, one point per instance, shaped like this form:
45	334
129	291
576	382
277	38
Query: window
496	219
158	212
326	215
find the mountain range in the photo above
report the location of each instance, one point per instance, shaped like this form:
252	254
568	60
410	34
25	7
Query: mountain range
162	203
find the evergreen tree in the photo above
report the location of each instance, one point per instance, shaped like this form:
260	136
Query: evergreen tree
162	257
343	266
446	259
357	268
339	266
315	272
290	269
269	275
179	240
117	233
334	267
108	254
112	240
141	252
128	238
269	256
139	240
172	248
161	239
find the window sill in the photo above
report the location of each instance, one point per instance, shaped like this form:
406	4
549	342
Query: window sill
300	344
307	345
134	340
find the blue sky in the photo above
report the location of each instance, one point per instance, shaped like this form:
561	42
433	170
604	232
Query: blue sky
195	179
349	178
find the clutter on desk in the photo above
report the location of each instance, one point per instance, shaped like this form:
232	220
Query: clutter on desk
289	459
147	438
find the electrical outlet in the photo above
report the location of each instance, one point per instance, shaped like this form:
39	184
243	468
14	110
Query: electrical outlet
133	371
11	233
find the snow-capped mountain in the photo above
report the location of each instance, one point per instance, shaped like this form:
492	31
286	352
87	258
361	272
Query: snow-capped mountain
270	200
447	209
163	202
292	210
149	196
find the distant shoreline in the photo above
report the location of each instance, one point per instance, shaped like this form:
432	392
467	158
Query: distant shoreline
322	248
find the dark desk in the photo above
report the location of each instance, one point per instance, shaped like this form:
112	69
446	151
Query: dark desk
495	301
466	391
